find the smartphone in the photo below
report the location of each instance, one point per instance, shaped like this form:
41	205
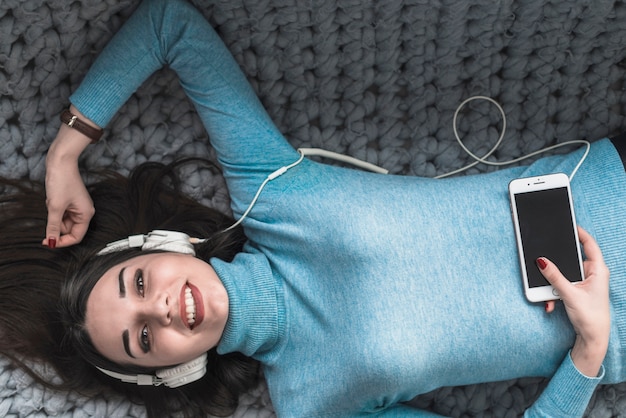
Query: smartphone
545	226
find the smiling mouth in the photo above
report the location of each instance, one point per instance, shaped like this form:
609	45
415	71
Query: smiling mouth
191	308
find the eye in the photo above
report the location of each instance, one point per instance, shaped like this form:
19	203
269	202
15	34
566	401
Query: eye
144	339
139	282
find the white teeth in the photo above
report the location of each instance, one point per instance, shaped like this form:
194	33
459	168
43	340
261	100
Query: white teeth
190	306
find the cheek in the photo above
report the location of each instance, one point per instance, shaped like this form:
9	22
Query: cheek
175	348
170	266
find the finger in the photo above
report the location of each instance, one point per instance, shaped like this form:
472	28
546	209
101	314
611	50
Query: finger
53	228
554	276
550	305
74	236
592	250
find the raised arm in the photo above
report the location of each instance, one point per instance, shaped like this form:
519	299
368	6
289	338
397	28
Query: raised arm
69	205
160	33
173	33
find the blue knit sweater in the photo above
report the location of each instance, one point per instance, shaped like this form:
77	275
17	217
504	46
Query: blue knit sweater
359	291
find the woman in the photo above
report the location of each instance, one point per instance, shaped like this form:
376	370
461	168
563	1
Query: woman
31	277
356	291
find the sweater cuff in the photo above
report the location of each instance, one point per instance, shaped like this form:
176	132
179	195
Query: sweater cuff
569	391
98	99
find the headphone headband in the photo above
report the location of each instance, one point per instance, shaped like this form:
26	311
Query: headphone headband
172	377
158	239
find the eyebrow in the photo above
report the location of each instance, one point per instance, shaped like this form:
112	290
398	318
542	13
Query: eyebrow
126	341
121	282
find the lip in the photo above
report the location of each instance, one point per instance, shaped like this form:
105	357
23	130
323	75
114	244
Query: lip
197	298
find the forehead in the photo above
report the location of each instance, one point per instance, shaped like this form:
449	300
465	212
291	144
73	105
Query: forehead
106	314
109	312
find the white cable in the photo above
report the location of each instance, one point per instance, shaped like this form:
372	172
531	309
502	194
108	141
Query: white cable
343	158
371	167
284	169
499	141
269	178
458	139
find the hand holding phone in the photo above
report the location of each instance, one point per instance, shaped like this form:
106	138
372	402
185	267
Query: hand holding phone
587	305
545	226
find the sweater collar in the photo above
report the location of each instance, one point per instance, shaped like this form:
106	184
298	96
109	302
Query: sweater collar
256	308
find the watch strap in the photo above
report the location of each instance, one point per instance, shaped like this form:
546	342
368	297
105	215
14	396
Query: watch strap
73	121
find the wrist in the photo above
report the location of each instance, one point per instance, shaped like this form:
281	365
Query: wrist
588	356
77	121
70	142
67	146
82	117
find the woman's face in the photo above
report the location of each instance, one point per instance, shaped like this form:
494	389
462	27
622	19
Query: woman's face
157	310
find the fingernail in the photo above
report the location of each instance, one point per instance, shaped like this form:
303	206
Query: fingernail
541	263
52	242
547	306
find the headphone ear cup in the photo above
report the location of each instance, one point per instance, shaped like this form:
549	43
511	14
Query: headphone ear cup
172	241
184	373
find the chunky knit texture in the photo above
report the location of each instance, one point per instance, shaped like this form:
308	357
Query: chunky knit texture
379	82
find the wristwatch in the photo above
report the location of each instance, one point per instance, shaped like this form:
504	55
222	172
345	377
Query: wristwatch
72	121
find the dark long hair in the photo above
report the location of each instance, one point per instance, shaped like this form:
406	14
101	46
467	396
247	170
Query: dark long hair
150	198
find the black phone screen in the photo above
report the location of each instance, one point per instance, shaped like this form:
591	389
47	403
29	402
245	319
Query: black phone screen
547	230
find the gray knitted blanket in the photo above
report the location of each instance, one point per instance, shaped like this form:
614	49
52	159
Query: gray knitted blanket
378	80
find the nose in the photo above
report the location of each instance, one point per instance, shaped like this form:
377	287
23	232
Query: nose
159	309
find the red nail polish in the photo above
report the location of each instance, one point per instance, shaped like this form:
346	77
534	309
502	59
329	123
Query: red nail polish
52	242
546	307
542	263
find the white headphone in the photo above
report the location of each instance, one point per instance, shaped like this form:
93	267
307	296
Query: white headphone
177	242
167	241
172	378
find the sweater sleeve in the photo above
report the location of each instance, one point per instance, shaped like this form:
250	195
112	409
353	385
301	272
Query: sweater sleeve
174	33
401	411
567	394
